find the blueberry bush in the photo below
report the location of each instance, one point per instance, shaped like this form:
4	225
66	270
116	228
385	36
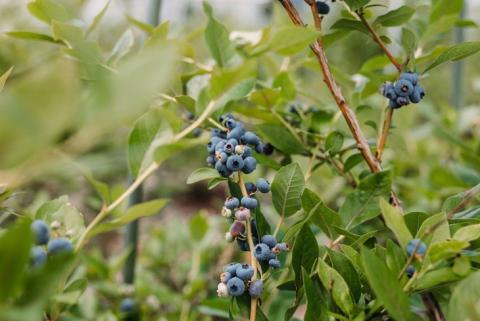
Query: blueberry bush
314	169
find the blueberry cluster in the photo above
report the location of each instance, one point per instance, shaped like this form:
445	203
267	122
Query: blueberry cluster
421	248
236	278
322	7
127	305
404	91
231	150
268	249
41	233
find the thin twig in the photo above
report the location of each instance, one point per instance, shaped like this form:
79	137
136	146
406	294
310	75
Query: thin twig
382	138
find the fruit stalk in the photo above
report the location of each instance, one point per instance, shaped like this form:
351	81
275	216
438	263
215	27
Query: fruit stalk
382	138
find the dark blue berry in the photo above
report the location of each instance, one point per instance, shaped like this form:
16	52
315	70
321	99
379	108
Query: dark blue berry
255	289
219	147
236	286
244	272
417	95
410	271
250	187
268	149
262	252
216	132
38	257
274	263
40	232
127	305
222	169
197	132
270	240
416	243
250	164
410	76
249	202
250	138
235	163
230	123
232	268
232	203
223	118
211	160
212	143
393	104
389	91
403	88
237	132
263	185
322	7
225	276
247	152
402	101
60	245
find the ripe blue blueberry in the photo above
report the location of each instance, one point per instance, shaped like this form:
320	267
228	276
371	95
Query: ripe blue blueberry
393	104
236	287
250	138
402	101
247	151
232	268
270	240
237	132
244	272
127	305
389	91
230	123
250	164
259	148
224	117
211	160
403	88
410	76
274	263
215	132
417	95
225	276
250	187
249	202
232	203
222	169
263	185
40	232
229	148
222	156
262	252
235	163
410	271
38	257
220	146
268	149
197	132
255	289
419	245
322	7
60	245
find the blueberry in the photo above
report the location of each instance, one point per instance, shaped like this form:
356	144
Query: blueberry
211	160
421	249
229	148
40	232
283	247
263	185
225	276
410	271
38	257
127	305
255	289
268	149
237	229
259	148
250	164
237	132
322	7
249	202
402	101
232	203
197	132
235	163
250	187
410	76
417	95
220	146
247	152
243	214
403	88
244	272
393	104
222	169
270	240
389	91
250	138
212	144
243	245
262	252
223	118
239	149
60	245
235	286
216	132
190	115
274	263
230	123
232	268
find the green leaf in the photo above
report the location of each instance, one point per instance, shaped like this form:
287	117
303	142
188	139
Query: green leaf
309	200
15	253
217	39
362	204
395	17
122	47
198	227
304	252
353	161
201	174
455	53
141	210
446	249
463	303
267	97
442	230
4	77
292	39
356	4
334	283
214	182
287	189
454	202
148	28
49	11
281	138
334	142
165	151
442	8
436	278
343	265
395	222
325	218
409	41
29	35
385	286
98	17
468	233
349	25
316	307
144	131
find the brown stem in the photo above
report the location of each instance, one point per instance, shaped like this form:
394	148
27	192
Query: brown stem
382	139
379	41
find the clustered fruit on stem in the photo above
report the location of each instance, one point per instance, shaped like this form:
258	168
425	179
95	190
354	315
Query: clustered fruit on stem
404	91
231	152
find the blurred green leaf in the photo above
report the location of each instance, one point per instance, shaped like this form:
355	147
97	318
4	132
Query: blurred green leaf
122	47
446	249
29	35
292	39
336	285
344	266
468	233
165	151
325	218
409	41
98	18
349	25
4	77
201	174
356	4
304	252
287	189
443	8
395	222
141	25
316	307
141	210
49	11
455	53
395	17
281	138
198	227
464	300
334	142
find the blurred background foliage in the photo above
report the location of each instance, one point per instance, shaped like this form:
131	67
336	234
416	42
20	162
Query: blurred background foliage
82	75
